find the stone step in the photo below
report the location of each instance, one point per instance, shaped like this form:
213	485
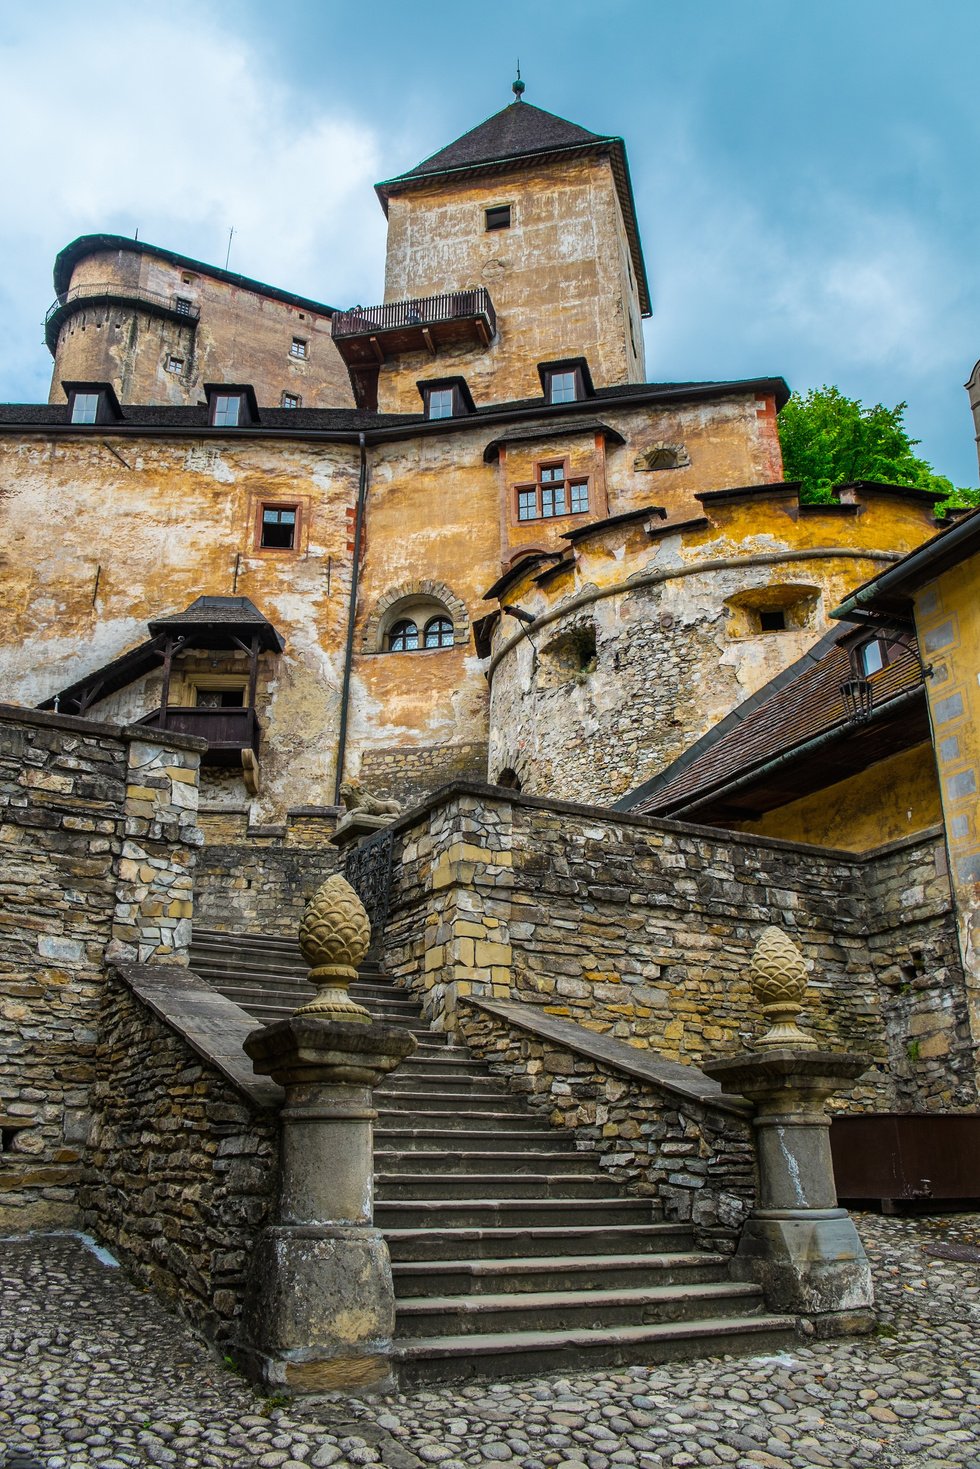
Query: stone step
492	1212
446	1103
478	1277
425	1078
534	1353
444	1162
517	1140
568	1310
423	1242
555	1187
437	1119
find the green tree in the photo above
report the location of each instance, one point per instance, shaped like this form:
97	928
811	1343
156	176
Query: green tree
828	439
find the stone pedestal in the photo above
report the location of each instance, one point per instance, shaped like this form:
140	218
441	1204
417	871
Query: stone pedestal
797	1244
320	1310
357	825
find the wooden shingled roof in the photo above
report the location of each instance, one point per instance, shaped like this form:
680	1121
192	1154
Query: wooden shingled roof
792	740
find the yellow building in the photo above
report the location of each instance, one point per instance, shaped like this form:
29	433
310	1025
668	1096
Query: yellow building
298	530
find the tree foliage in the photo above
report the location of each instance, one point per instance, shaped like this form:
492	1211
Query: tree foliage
828	440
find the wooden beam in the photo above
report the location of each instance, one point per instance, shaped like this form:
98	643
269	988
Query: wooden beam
253	670
168	658
427	339
376	349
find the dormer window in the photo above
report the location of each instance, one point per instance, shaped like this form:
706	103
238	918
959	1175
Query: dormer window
441	403
447	397
231	405
92	403
226	410
85	408
566	382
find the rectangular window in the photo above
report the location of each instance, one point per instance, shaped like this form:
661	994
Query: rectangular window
298	348
227	410
553	494
220	698
291	400
183	306
498	218
175	364
772	621
440	403
563	387
85	408
278	527
872	657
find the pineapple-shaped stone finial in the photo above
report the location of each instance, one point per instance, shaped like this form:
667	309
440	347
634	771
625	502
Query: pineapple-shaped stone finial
778	978
334	935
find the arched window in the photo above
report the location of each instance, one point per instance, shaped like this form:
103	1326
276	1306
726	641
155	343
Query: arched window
403	637
438	633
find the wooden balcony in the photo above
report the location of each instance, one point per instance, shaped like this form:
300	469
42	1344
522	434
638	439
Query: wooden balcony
367	335
227	731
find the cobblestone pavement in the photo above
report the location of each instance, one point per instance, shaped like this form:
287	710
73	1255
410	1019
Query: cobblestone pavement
94	1372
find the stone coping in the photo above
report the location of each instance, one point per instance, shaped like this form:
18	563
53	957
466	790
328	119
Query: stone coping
457	788
129	733
212	1025
686	1082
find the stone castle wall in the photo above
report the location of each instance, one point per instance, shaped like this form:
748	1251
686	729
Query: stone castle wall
258	879
643	929
97	846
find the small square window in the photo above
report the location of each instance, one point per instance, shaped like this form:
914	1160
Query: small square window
498	217
175	364
292	400
183	306
773	621
85	408
440	403
580	497
872	657
298	348
562	387
227	410
278	527
527	504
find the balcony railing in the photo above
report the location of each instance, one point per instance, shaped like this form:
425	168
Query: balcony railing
424	311
227	731
115	293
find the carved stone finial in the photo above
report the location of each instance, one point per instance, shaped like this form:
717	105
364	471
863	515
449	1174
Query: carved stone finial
334	936
778	977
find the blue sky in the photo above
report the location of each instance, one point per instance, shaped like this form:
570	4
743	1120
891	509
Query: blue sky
806	173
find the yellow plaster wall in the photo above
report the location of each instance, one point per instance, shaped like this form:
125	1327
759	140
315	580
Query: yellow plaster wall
557	278
947	617
241	336
895	798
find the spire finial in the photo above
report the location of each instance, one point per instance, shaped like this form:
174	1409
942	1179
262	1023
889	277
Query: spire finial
518	87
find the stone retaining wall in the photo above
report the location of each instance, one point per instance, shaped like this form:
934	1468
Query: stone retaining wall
643	929
181	1169
258	879
696	1160
97	847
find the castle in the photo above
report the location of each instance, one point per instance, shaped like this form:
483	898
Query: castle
636	696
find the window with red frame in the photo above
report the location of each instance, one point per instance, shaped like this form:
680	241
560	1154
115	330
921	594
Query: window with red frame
554	492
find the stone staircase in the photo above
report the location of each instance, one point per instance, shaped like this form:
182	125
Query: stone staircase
512	1251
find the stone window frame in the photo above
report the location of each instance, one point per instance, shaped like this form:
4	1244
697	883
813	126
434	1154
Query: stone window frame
493	217
299	348
428	598
570	480
295	400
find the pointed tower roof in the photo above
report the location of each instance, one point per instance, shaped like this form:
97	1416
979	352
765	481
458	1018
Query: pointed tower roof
519	135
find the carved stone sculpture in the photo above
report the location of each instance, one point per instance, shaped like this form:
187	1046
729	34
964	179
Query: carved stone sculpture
778	978
334	936
356	798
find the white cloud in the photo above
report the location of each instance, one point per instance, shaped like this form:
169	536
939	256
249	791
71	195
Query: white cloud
118	118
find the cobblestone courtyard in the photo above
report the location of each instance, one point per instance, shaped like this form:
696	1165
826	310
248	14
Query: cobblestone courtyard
93	1372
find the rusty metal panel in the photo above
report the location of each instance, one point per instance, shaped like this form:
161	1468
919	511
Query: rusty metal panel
910	1156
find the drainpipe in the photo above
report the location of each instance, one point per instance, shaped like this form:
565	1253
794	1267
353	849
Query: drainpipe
351	615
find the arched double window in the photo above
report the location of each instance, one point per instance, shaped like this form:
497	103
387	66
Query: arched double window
404	637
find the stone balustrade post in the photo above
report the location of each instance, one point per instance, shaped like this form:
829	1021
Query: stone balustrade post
796	1244
320	1309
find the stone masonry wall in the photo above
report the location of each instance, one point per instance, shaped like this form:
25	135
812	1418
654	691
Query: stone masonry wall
182	1169
643	929
97	843
258	879
696	1161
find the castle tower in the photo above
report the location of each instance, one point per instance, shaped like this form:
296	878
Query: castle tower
517	245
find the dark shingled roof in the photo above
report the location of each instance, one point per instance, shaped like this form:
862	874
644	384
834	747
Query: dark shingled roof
779	718
235	613
523	132
515	132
